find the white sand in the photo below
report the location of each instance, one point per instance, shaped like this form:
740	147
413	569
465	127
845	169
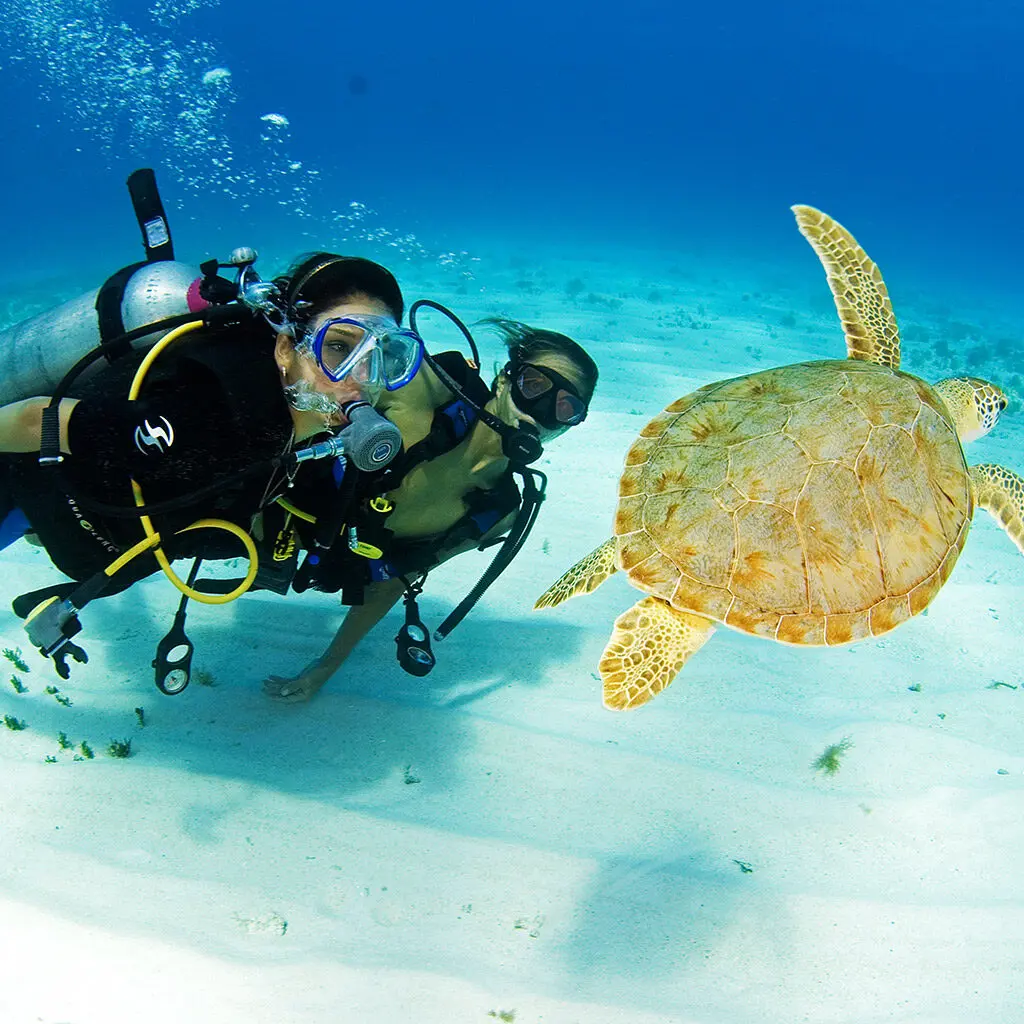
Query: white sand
490	840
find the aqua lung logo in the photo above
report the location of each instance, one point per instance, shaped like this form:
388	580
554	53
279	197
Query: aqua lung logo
90	529
149	438
382	453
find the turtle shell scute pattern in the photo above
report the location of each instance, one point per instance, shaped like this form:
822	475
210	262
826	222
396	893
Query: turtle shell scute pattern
817	503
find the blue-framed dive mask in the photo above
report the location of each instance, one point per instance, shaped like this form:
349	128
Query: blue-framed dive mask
372	351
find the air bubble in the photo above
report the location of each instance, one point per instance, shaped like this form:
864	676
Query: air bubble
215	76
150	88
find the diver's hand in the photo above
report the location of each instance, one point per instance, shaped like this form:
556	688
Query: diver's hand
295	689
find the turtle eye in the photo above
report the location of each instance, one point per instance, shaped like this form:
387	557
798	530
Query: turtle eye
1002	403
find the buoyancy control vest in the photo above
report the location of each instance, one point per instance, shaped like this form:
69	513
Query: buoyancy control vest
289	524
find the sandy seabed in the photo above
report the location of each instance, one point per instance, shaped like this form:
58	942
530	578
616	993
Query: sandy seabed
489	843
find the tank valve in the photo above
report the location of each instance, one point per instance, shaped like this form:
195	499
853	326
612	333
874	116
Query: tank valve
243	256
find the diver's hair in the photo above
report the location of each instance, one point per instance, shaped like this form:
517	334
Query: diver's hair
526	344
317	280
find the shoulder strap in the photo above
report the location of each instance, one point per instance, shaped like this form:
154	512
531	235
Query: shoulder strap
108	310
452	421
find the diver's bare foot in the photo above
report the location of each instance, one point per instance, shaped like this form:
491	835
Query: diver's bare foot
295	689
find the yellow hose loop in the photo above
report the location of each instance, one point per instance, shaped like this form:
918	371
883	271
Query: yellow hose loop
250	552
152	538
167	339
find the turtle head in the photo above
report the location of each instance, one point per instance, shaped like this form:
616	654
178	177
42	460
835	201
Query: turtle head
974	405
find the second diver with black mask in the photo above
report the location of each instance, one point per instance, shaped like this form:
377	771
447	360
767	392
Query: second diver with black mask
459	494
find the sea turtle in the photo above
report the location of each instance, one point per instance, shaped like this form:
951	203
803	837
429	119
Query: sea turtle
812	504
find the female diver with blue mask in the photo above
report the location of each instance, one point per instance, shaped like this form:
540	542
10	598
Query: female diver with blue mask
227	398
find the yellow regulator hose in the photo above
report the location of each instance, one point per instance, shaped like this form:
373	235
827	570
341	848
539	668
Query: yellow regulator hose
152	538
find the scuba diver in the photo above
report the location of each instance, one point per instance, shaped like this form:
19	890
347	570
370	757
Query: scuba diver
453	487
251	385
255	419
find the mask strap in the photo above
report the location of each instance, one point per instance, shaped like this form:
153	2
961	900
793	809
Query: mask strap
518	444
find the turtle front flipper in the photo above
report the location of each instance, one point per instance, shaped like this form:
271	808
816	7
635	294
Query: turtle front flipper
862	299
586	575
648	647
1000	492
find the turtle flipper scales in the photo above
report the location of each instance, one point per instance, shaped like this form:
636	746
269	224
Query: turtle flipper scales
649	645
586	575
1001	493
862	299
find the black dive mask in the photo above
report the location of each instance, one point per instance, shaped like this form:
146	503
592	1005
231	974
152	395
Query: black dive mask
546	396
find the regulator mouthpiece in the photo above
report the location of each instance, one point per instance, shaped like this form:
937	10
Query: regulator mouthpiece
370	440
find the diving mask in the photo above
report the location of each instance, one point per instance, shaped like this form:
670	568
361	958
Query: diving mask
372	351
547	396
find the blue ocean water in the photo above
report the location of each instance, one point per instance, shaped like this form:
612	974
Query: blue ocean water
649	152
548	124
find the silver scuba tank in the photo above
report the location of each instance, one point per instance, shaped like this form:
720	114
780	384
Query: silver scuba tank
36	353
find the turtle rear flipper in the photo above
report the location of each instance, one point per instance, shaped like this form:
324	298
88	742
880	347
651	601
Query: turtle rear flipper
586	575
648	647
1000	492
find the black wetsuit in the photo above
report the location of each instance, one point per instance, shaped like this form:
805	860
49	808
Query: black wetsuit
211	405
220	398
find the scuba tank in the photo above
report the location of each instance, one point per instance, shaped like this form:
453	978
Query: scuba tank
36	354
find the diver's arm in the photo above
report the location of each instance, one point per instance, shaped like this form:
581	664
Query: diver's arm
379	599
21	424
